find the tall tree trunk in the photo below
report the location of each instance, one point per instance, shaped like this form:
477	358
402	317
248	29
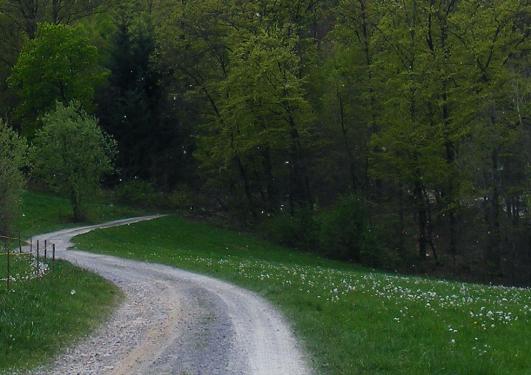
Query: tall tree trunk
448	143
239	164
56	7
494	232
29	10
402	221
245	179
346	143
271	190
299	181
421	221
75	200
371	128
429	226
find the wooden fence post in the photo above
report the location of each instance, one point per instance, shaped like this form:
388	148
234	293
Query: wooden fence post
37	257
45	249
6	247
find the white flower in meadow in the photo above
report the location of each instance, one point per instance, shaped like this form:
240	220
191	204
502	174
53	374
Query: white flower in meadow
72	292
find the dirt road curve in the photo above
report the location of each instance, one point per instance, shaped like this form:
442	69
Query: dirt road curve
176	322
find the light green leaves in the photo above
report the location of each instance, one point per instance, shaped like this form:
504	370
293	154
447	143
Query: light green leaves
13	157
72	154
60	64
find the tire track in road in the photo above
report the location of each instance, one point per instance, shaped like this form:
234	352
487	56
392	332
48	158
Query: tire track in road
176	322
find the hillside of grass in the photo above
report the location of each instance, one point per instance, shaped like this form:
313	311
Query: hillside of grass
38	318
43	313
351	320
44	212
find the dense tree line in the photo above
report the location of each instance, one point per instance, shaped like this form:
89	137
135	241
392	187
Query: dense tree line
394	133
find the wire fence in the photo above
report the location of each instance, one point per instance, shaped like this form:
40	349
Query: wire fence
38	256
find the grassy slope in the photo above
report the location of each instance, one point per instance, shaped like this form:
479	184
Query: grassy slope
39	317
42	213
352	320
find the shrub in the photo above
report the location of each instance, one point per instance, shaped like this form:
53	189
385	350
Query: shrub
300	230
372	251
183	198
138	193
346	233
12	159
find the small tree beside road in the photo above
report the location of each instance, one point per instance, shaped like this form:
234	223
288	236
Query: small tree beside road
73	154
13	157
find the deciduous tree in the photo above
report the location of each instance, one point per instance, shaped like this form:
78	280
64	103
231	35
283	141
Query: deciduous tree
72	154
13	158
60	64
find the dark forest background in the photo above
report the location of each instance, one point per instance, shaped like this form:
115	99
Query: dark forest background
391	133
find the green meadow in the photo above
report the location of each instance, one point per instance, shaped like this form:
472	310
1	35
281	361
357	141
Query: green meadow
352	320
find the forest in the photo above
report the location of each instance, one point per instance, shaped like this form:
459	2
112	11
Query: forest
390	133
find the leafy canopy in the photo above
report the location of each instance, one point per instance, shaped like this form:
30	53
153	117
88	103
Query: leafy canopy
13	157
73	154
60	64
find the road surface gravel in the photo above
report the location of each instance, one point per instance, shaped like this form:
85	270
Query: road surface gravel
175	322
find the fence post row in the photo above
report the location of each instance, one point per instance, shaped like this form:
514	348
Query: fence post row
37	256
8	279
8	254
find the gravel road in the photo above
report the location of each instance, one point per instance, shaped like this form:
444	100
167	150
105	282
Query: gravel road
176	322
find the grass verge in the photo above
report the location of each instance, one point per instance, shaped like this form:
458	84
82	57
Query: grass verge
41	315
352	320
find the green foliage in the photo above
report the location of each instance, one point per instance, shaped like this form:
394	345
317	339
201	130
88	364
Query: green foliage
346	233
340	232
183	198
24	16
419	107
264	116
72	154
300	230
19	20
61	65
131	106
249	80
13	158
137	192
266	92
